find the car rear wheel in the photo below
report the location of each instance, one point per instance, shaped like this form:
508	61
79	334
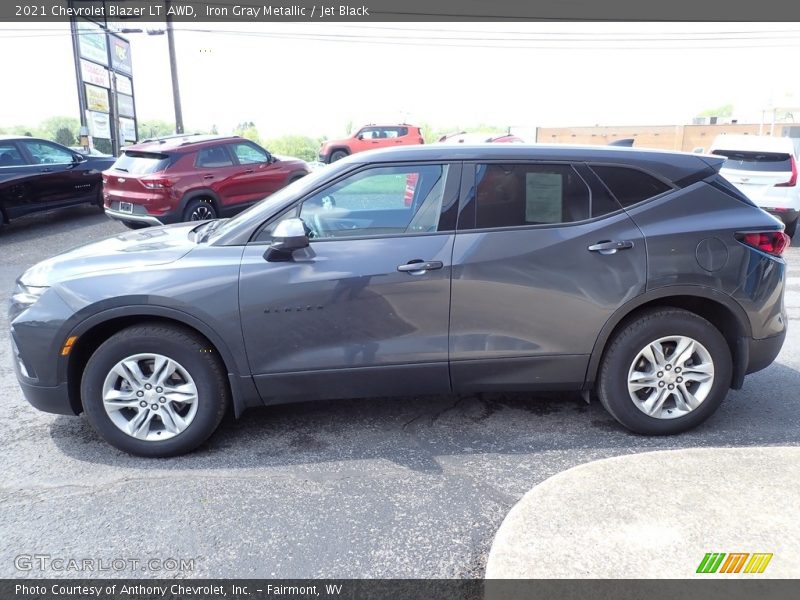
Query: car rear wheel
338	155
200	209
154	390
665	372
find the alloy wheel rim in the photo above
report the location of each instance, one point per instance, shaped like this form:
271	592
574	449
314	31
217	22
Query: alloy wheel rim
671	377
202	213
150	397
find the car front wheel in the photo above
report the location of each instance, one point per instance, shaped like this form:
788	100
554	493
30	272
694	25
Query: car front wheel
154	390
665	372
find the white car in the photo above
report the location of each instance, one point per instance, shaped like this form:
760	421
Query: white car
764	168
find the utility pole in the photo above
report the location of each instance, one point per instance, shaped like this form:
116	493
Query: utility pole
173	67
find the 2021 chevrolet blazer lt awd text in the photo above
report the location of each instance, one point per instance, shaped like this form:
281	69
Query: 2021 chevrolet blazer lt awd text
641	277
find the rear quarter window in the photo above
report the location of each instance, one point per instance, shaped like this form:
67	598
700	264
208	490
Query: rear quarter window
630	186
141	163
755	161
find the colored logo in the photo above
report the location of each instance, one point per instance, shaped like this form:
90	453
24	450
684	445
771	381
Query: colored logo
735	562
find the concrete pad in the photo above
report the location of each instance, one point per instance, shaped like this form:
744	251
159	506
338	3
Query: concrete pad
656	515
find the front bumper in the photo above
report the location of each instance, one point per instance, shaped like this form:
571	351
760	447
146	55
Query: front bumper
47	399
132	218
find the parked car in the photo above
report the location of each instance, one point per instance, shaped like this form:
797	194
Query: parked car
370	137
462	137
38	175
640	276
192	178
764	168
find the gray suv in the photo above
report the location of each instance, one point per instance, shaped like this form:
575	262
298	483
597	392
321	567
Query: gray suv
641	278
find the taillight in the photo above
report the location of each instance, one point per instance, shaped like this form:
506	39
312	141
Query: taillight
793	181
771	242
156	183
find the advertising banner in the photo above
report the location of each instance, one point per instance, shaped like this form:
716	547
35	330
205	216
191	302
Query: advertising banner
99	124
97	98
128	129
94	74
124	85
125	105
92	42
121	55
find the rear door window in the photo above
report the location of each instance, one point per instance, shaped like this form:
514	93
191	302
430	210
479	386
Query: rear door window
755	161
10	155
141	163
630	186
513	195
216	156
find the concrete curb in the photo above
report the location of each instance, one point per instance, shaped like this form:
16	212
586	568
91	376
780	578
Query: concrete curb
655	515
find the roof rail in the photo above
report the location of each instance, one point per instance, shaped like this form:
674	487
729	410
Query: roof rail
172	136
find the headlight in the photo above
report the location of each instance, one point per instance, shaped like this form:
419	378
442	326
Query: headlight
24	297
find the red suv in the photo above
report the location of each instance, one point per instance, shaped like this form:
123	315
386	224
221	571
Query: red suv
368	138
192	178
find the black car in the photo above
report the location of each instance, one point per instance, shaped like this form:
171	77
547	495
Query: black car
38	175
641	278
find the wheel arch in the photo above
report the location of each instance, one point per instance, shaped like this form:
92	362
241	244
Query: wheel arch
95	330
719	309
344	149
201	193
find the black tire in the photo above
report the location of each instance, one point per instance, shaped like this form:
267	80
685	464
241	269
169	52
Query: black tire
200	209
791	228
338	155
192	352
622	350
134	225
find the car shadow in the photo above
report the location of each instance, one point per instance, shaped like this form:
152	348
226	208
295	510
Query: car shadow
417	433
58	221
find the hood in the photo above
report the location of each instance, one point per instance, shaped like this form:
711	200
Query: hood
129	251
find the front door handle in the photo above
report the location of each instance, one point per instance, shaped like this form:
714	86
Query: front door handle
610	247
418	267
208	177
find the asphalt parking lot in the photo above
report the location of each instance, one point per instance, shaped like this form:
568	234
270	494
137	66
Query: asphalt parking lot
409	487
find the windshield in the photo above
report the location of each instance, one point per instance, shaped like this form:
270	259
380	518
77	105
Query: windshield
755	161
141	163
270	205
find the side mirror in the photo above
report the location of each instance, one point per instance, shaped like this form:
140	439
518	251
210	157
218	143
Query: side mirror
78	158
360	136
289	235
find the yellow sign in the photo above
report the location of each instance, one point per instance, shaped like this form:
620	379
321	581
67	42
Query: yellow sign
96	98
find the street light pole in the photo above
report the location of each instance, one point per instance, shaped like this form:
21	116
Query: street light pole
173	67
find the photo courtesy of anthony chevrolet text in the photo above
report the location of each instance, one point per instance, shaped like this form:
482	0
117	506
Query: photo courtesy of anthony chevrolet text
399	300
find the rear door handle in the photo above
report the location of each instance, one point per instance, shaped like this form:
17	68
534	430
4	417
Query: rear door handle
208	177
249	171
418	267
610	247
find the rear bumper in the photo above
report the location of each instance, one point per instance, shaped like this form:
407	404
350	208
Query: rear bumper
131	218
762	353
787	215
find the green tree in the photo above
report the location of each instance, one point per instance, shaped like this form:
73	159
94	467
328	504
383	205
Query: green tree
54	127
155	128
248	130
66	137
299	146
